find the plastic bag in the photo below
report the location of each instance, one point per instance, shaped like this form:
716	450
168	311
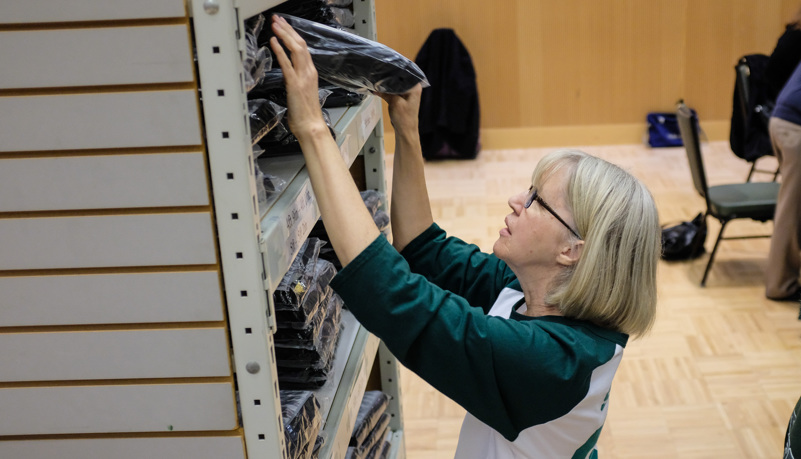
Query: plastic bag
299	315
297	280
375	437
373	199
341	97
300	412
381	449
267	185
343	17
318	446
288	143
264	115
308	321
381	220
278	95
290	336
356	63
318	355
258	60
313	10
302	378
684	241
374	404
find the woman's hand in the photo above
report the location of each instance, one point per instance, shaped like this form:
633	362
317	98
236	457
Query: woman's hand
404	109
300	78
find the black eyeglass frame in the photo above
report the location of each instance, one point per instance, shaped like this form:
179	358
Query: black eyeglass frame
533	196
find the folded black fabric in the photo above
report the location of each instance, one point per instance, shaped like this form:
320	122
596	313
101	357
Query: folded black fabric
319	354
298	314
373	199
374	404
281	142
376	435
264	116
299	277
353	62
305	337
341	97
381	449
302	378
318	445
313	10
257	60
302	419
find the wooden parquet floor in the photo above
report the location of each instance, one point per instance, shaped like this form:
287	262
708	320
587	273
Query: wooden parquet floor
721	370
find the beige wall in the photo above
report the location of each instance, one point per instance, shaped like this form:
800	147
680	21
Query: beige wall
550	66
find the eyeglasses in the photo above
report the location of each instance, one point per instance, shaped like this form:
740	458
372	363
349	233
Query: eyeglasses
533	196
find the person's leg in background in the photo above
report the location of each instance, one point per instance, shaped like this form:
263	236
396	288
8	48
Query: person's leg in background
784	259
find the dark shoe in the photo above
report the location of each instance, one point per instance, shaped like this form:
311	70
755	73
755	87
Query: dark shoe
794	297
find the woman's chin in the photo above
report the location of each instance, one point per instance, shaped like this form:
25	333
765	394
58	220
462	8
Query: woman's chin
497	248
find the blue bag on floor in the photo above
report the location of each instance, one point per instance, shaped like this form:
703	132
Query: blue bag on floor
663	130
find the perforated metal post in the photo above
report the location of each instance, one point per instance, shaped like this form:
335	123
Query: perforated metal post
219	39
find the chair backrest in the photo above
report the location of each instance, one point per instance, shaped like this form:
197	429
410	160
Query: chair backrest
688	126
742	83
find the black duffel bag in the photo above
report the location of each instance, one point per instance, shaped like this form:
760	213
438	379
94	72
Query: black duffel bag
684	241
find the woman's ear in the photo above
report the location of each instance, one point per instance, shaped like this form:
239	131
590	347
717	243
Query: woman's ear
570	253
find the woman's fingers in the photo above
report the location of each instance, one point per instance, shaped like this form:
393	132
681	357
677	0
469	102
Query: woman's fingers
293	42
280	55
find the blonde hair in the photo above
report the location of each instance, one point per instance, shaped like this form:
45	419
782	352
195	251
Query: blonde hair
613	284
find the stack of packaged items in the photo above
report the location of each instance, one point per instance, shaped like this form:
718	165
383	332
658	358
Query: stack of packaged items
264	115
302	419
370	438
374	200
307	314
349	67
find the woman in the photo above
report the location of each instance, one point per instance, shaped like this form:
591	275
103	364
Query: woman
528	339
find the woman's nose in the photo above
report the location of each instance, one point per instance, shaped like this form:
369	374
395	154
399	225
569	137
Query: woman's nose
516	201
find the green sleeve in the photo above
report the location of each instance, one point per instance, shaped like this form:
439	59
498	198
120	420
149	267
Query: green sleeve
457	266
495	368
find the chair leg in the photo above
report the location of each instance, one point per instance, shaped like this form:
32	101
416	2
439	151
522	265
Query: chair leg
751	172
714	250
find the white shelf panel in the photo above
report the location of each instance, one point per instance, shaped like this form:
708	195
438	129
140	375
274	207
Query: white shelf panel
126	448
102	120
111	299
341	416
34	11
116	409
123	354
96	56
107	241
103	182
289	220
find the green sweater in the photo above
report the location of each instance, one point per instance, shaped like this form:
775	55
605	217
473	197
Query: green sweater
532	386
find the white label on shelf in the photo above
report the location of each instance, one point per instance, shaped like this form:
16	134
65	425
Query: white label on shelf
348	149
368	121
299	219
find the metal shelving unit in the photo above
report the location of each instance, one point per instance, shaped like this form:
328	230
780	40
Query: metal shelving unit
137	270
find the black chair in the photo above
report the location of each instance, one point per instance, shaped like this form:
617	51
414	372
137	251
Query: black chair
742	85
754	200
